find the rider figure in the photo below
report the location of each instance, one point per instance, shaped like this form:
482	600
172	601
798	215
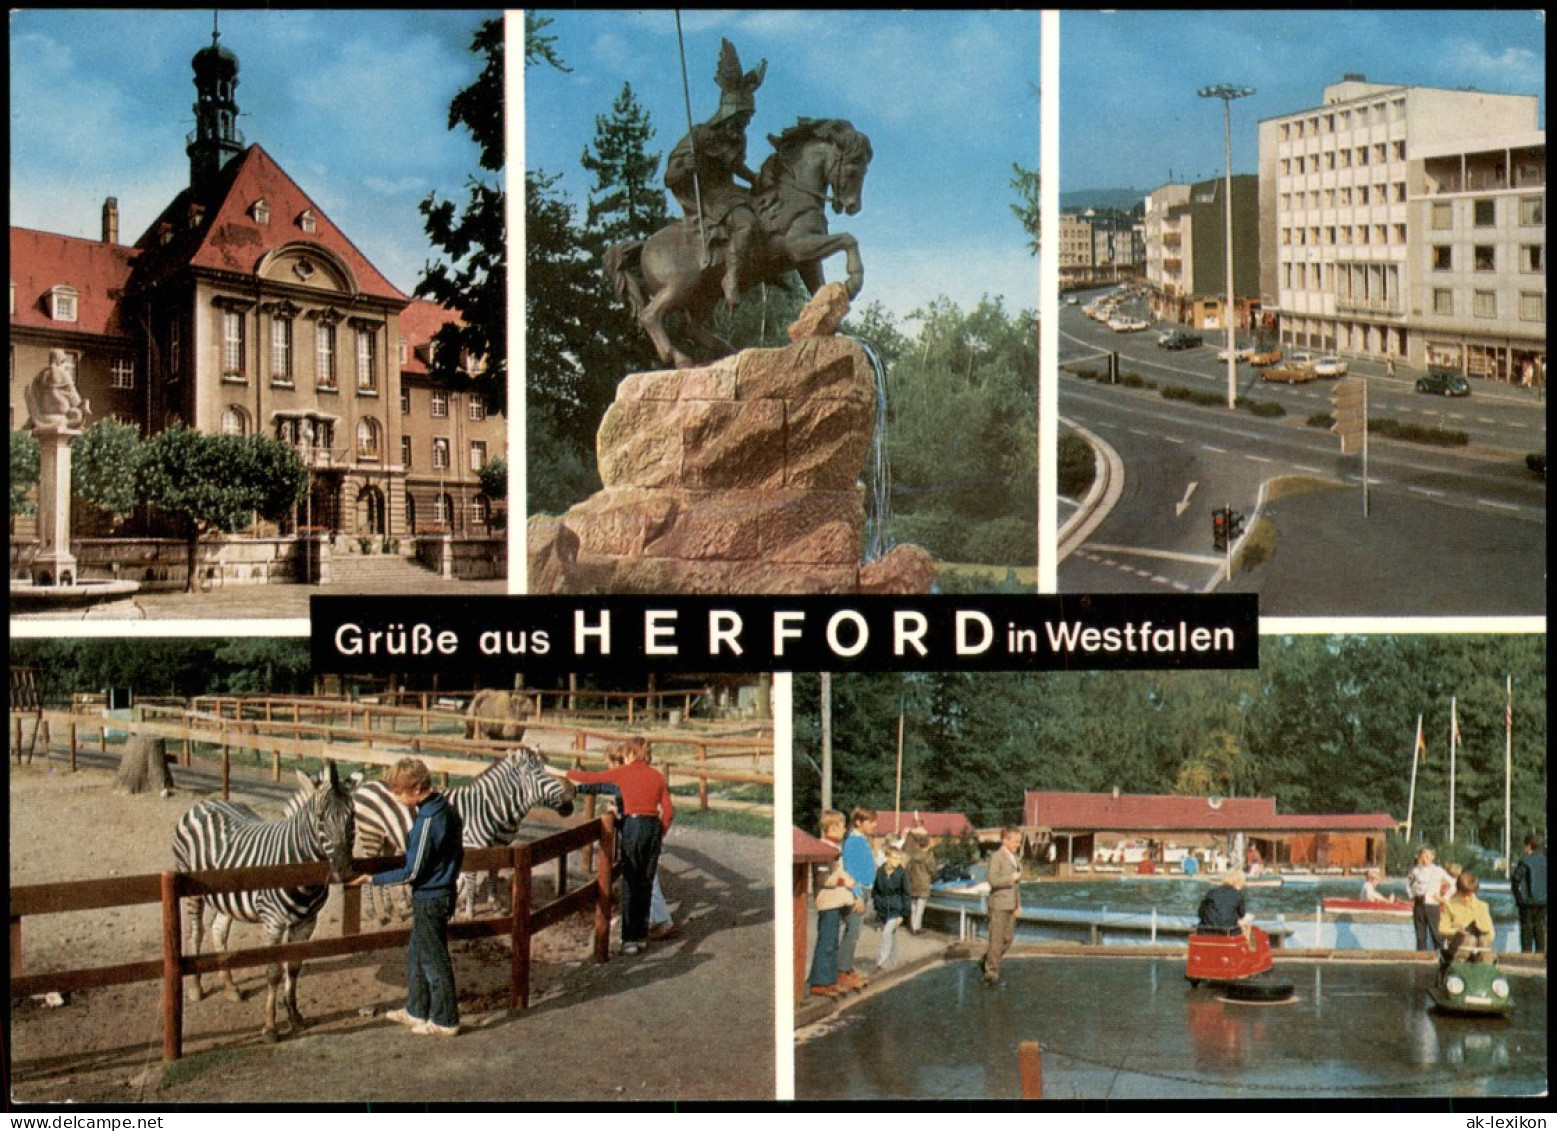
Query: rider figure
704	164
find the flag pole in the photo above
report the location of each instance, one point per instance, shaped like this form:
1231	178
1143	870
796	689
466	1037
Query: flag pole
1508	780
1454	739
1416	750
897	800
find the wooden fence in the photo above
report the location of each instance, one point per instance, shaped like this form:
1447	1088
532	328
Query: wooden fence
299	738
169	889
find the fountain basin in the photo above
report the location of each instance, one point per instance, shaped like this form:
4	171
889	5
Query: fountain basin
27	597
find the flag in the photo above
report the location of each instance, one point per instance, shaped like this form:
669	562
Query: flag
1454	725
1508	716
1421	743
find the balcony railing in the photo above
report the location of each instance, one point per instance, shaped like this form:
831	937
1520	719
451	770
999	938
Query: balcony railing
1355	305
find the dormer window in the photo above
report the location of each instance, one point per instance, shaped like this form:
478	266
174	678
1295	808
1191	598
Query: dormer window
308	221
195	215
62	304
260	211
164	233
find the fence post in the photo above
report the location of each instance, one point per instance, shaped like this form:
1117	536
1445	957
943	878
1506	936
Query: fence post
226	766
72	747
519	912
1030	1061
351	910
172	983
702	782
16	946
603	880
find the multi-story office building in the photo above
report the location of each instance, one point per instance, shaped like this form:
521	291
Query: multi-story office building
1186	251
1075	248
244	310
1408	222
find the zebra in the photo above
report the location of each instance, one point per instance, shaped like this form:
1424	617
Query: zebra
220	834
491	806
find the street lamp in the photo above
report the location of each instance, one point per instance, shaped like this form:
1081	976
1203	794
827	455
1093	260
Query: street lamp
1227	93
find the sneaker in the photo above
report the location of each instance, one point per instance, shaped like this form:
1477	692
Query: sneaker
850	980
632	947
403	1018
826	991
433	1029
664	931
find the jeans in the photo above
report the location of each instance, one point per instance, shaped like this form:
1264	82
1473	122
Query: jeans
430	994
824	960
659	910
888	938
852	923
640	842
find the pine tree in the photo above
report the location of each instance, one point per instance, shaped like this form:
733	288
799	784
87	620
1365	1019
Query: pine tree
626	201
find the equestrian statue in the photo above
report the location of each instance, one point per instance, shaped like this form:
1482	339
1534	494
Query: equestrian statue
734	237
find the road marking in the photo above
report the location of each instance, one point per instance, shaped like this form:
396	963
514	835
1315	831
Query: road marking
1260	459
1426	491
1146	573
1183	504
1160	580
1167	555
1500	506
1174	440
1218	451
1305	467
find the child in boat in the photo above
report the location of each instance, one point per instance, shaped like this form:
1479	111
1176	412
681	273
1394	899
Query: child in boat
1370	887
1464	919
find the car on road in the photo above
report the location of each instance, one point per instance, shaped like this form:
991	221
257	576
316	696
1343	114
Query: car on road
1071	300
1330	366
1443	382
1289	373
1242	353
1179	340
1124	324
1264	357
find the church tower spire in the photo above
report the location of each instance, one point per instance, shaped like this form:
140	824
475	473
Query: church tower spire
216	139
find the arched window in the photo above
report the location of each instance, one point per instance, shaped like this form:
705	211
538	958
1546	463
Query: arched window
371	512
481	511
235	421
367	438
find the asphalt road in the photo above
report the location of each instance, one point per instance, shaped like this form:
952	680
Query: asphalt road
1449	531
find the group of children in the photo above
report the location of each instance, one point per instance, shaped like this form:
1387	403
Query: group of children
895	884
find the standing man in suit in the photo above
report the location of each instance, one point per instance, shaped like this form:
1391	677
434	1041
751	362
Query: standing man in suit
1005	872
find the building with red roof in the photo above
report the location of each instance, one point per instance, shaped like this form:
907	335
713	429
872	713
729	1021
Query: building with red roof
243	309
1087	825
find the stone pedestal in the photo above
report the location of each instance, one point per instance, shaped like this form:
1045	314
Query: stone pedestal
54	564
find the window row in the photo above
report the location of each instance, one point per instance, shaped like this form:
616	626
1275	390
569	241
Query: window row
283	353
1447	303
1484	212
1345	196
1343	235
1484	257
475	404
1379	153
1335	121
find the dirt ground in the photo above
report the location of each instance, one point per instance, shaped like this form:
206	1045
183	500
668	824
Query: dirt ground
632	1029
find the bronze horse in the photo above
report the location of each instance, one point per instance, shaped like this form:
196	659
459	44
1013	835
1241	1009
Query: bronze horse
813	161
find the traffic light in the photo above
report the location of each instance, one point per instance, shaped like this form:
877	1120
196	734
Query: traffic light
1219	525
1234	524
1350	401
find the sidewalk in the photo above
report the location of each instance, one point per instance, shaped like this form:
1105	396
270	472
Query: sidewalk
911	954
252	602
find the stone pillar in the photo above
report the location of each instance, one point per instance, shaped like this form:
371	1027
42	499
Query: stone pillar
55	564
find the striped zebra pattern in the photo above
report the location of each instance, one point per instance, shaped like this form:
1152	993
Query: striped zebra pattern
319	825
491	806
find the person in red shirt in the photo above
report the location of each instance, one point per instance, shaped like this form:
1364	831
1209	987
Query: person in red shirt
647	813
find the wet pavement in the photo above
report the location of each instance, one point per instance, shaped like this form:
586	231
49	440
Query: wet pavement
1133	1029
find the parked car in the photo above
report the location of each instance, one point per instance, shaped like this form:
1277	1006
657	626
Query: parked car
1179	340
1330	366
1536	462
1443	382
1124	324
1265	357
1289	374
1242	353
1071	300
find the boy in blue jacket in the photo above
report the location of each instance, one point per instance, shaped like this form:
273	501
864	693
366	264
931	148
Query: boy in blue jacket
434	853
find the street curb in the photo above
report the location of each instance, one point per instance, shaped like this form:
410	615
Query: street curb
1107	486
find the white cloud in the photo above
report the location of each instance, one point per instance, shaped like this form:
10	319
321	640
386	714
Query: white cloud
1513	70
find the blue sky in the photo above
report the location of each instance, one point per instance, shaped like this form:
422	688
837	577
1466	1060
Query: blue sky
354	105
1128	108
948	99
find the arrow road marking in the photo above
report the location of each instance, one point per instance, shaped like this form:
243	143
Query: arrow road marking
1183	504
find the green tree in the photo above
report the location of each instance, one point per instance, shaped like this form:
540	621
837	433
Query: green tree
208	483
470	277
103	463
539	48
493	477
1027	184
24	471
626	201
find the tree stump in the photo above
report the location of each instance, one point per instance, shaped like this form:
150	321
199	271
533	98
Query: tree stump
143	767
